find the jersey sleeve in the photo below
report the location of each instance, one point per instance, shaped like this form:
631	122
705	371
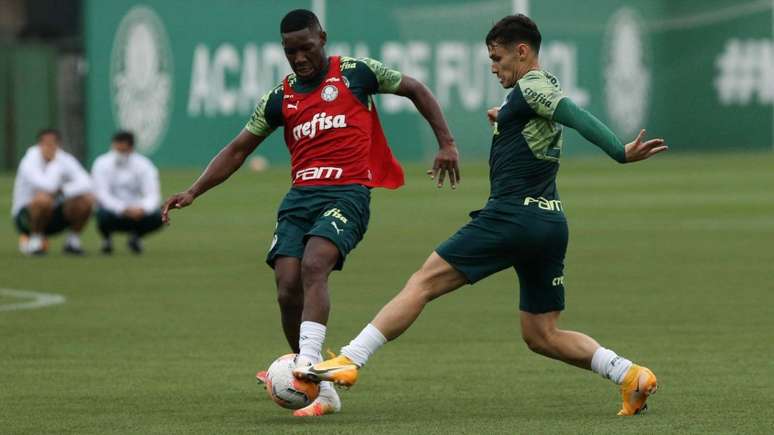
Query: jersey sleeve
386	79
591	128
267	115
541	92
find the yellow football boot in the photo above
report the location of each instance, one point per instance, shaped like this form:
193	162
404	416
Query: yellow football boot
340	370
638	384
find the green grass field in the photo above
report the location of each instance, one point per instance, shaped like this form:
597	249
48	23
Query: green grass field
670	263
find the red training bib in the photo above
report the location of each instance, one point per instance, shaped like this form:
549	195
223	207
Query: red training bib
333	139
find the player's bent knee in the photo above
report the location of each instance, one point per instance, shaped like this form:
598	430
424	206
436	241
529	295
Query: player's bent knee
315	267
535	343
537	338
290	296
289	284
42	200
83	202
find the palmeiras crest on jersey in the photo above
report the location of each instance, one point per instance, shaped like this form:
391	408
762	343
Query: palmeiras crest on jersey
329	93
141	77
627	78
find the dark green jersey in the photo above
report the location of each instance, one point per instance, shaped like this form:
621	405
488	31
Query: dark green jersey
363	76
527	143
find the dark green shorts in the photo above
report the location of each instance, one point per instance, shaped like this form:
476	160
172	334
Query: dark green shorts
337	213
532	242
57	224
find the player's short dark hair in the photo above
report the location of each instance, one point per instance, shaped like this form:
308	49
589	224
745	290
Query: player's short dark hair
124	136
47	131
299	19
514	29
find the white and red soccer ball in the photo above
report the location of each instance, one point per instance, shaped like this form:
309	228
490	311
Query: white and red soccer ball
284	389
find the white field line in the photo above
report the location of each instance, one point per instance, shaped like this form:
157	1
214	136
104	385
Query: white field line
38	299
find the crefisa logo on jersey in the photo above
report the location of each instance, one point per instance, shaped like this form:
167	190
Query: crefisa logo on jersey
141	77
319	123
627	78
329	93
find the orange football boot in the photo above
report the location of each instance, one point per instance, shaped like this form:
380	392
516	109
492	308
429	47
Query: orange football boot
638	384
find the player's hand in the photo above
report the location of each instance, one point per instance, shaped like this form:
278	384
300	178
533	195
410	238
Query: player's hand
637	150
491	115
446	164
178	200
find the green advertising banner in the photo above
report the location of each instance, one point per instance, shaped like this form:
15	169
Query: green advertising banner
185	75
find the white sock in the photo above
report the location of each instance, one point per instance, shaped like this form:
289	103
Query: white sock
329	395
74	240
310	343
364	345
609	365
327	389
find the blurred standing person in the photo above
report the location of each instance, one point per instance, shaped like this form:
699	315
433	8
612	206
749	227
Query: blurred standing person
128	193
51	193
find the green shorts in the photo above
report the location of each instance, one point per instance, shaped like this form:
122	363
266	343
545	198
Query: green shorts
57	224
337	213
532	242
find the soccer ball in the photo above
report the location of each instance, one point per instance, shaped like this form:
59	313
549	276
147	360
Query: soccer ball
284	389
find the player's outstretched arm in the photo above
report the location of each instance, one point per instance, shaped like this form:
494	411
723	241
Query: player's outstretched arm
447	160
595	131
228	160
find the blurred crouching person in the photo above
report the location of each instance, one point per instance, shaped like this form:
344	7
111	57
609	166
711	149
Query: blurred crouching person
52	193
128	193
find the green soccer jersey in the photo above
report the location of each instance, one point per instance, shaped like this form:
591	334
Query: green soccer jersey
363	76
527	143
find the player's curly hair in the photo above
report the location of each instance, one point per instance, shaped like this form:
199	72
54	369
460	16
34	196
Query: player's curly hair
514	29
299	19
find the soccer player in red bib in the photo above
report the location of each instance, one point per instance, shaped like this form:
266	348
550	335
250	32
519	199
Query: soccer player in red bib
338	153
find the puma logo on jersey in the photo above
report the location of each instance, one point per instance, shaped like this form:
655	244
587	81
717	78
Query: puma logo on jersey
338	230
293	106
319	122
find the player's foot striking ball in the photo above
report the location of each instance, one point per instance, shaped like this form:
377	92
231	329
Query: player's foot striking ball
340	370
522	226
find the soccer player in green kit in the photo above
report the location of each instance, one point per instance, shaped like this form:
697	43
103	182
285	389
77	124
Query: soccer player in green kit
338	154
522	225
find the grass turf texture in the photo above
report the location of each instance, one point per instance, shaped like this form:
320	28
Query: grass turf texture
669	264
